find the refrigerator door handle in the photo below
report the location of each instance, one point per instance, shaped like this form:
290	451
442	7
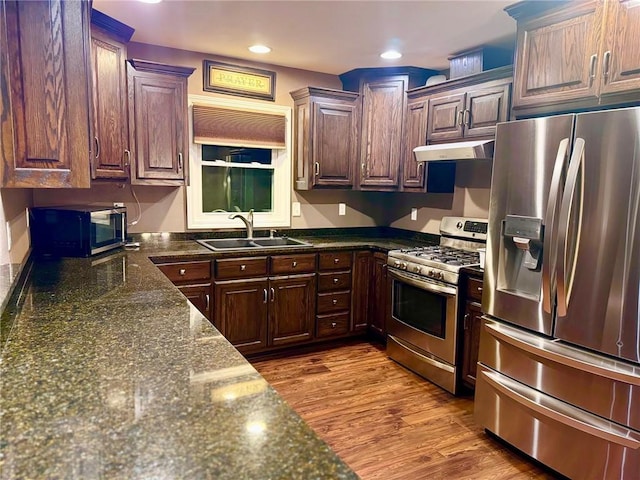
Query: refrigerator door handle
570	417
549	249
565	277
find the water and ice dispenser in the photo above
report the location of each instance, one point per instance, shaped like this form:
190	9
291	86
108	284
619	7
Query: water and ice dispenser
526	234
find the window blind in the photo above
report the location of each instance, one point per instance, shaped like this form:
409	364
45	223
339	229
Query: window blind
239	128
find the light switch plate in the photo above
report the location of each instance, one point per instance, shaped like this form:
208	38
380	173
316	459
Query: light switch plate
295	209
342	209
414	214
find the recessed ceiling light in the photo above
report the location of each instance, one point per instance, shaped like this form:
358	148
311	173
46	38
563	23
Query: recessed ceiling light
259	49
390	55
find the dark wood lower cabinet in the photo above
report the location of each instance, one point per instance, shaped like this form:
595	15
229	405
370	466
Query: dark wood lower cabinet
241	308
200	296
470	325
379	295
360	289
291	309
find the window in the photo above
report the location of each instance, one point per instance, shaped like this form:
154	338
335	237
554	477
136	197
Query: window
240	159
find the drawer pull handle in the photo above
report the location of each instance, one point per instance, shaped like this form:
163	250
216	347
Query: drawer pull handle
336	260
335	281
206	307
243	267
334	301
294	264
466	321
334	324
273	294
264	300
182	271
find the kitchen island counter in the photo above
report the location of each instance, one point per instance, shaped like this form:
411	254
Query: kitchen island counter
109	372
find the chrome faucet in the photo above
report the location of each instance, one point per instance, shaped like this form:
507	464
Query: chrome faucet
248	222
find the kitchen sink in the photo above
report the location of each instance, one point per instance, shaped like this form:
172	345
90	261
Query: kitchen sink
245	243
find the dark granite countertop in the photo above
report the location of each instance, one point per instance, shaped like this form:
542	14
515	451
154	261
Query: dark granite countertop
109	372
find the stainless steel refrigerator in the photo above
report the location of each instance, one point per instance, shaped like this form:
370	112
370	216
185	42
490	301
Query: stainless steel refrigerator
559	363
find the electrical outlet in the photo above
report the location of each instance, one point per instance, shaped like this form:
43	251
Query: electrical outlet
414	214
295	209
118	204
342	209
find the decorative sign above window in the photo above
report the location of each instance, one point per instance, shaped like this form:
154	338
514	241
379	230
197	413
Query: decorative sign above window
241	81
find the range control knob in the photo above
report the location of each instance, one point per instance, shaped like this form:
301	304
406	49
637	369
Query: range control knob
431	273
441	275
396	264
403	265
417	269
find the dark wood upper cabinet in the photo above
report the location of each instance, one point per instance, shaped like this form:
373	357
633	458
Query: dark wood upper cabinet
415	135
485	107
158	122
383	104
577	55
557	55
472	110
326	137
45	104
446	117
111	155
621	48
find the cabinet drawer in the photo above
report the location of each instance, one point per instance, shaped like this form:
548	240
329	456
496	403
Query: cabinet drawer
334	261
474	289
330	325
328	282
300	263
334	302
241	267
187	271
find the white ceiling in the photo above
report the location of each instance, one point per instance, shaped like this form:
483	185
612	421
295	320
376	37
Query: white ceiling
323	36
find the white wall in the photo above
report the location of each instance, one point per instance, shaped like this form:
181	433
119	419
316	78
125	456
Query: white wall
13	205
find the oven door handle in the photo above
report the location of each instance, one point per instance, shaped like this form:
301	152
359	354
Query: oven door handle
422	284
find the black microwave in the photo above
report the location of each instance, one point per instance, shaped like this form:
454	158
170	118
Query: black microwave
77	231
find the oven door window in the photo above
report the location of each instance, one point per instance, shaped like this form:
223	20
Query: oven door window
420	308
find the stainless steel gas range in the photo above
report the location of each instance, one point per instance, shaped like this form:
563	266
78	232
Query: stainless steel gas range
422	330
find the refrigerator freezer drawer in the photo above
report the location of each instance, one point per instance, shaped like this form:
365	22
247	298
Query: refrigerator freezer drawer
569	440
597	384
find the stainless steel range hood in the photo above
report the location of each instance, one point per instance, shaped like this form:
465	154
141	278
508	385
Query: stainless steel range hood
477	150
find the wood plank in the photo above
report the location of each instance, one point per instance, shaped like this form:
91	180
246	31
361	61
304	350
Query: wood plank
387	423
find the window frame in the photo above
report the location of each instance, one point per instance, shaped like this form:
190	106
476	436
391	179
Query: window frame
280	216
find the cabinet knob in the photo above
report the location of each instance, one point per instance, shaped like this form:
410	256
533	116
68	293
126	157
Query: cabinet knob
334	324
336	260
182	271
243	267
334	301
480	289
335	281
466	321
294	264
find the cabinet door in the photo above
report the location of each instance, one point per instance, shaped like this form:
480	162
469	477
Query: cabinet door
44	94
200	296
157	109
335	143
241	313
621	48
446	118
471	343
382	116
111	128
361	286
379	294
556	58
415	136
291	309
485	107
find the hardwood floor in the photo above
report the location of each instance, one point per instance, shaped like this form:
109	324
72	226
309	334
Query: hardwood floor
387	423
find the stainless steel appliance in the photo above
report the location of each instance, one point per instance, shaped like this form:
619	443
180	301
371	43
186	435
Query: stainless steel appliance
422	329
559	361
77	231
